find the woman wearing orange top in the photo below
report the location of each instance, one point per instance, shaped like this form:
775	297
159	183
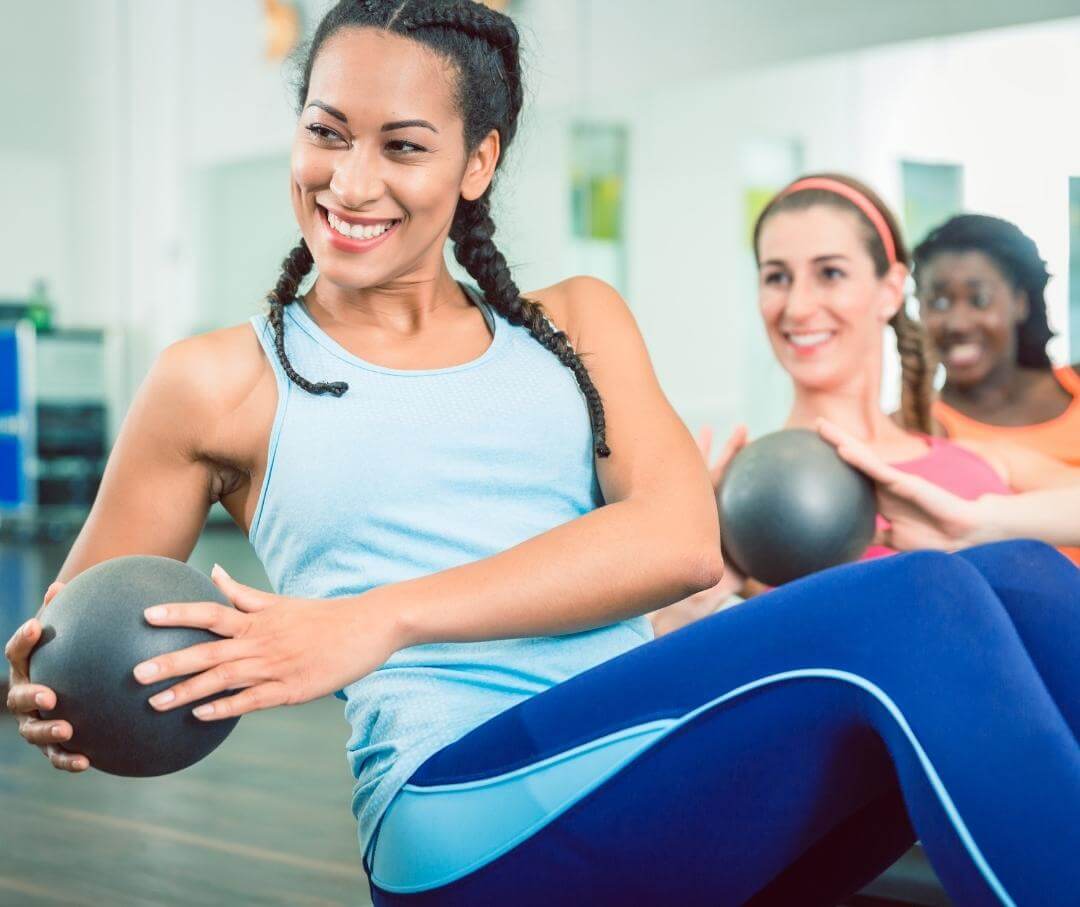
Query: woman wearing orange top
980	286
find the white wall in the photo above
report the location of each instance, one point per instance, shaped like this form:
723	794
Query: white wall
117	107
1000	103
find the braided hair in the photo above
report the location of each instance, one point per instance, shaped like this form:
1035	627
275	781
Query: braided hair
1016	256
916	369
482	45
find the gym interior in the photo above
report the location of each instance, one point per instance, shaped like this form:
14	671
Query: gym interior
144	166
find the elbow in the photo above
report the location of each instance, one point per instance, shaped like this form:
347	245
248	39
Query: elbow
702	568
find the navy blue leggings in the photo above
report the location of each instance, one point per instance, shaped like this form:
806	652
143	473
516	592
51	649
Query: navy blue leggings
784	751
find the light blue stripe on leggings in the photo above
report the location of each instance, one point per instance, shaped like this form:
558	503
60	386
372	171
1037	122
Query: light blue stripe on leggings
431	836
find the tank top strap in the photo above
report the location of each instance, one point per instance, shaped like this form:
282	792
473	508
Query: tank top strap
1068	379
265	334
478	300
946	417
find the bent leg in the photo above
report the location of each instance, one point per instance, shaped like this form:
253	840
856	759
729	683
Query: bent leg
763	727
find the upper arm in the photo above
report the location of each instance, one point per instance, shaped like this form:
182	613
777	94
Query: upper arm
653	455
155	493
1025	469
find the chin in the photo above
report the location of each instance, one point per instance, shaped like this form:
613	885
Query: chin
967	377
819	377
350	276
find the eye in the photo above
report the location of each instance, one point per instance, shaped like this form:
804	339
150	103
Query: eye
981	300
400	146
832	273
322	133
774	278
937	304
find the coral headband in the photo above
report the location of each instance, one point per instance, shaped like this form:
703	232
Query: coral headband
860	201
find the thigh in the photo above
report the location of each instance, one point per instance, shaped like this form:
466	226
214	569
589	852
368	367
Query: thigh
764	727
708	815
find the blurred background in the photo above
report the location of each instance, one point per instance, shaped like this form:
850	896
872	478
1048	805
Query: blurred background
144	166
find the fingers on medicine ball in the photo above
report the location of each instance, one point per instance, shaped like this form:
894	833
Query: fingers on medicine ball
212	616
28	697
43	733
65	761
22	642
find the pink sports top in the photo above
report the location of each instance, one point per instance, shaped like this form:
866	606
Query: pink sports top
953	468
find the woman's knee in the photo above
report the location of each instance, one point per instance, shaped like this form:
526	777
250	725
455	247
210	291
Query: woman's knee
1025	559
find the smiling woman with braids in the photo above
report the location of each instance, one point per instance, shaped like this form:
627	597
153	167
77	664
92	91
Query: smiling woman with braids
466	520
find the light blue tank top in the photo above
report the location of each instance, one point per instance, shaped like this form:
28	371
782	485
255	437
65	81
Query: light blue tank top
410	473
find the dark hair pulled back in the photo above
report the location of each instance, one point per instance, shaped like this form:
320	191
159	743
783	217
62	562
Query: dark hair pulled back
1016	256
917	371
482	46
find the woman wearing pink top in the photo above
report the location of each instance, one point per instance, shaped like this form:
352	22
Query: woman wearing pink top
832	271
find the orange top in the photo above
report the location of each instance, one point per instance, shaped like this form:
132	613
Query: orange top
1058	438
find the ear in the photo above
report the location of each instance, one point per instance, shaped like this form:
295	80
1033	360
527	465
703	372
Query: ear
480	167
893	290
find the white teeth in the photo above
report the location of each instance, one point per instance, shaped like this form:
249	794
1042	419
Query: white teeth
358	231
809	339
963	353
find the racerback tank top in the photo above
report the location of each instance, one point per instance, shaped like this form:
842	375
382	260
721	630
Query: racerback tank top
413	472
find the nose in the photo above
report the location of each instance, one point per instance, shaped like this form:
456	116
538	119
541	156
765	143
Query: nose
959	319
357	180
802	300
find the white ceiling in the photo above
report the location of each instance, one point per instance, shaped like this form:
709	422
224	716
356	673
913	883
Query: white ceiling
593	48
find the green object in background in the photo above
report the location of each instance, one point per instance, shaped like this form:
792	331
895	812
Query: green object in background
755	198
598	174
605	202
39	307
932	194
597	181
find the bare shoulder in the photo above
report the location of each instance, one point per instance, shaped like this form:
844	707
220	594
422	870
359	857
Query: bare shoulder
212	371
578	305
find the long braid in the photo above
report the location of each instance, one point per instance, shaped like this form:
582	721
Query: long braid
473	228
294	268
916	373
490	95
477	253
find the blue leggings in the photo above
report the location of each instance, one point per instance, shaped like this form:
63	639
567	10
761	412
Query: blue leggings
782	752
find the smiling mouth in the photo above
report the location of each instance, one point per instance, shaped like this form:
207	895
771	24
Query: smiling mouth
358	231
963	355
810	339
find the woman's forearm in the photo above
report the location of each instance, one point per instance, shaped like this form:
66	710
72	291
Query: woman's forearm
615	562
1052	516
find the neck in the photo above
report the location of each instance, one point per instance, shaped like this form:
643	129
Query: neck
405	304
855	406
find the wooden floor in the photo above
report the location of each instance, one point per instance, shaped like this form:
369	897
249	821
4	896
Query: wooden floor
263	820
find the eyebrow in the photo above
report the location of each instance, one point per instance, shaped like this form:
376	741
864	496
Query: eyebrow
386	127
333	111
408	124
820	258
